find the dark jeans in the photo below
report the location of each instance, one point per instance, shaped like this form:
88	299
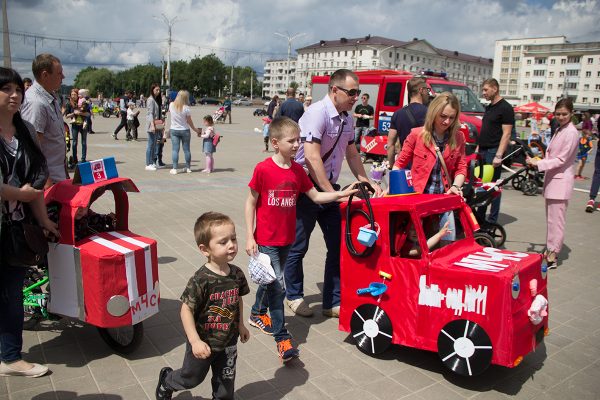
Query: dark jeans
194	370
123	123
596	177
329	219
75	131
487	156
11	312
159	146
151	148
132	132
271	296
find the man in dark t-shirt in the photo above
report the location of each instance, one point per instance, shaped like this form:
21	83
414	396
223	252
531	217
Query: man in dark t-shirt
494	137
291	107
364	114
272	105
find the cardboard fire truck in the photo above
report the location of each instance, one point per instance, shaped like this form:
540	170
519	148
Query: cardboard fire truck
388	92
107	279
473	305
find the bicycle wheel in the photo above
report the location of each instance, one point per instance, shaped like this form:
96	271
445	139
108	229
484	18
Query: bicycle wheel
125	339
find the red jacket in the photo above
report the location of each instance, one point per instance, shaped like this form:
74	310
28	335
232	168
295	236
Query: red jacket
423	159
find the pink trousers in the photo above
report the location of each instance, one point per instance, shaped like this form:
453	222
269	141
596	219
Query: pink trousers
556	215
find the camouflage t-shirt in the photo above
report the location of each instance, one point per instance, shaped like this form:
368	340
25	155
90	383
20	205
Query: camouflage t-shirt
214	300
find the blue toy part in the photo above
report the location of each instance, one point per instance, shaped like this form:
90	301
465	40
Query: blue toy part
366	236
95	171
401	182
375	289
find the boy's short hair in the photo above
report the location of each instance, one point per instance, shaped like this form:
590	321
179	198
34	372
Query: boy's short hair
280	125
205	222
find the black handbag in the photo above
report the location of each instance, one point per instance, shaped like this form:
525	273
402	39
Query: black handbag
23	243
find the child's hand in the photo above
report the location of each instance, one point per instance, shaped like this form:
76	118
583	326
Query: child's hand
28	193
251	246
444	231
244	333
201	349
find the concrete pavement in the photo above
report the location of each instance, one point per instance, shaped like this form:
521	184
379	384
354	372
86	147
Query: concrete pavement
330	367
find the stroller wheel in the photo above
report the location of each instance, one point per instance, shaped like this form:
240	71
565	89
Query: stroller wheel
517	182
484	239
530	187
496	231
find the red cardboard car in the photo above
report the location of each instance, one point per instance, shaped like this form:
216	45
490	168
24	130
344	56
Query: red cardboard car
473	305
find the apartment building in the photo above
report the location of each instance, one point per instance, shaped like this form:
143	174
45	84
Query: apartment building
547	69
374	52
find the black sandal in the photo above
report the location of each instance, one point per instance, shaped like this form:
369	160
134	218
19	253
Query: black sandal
551	263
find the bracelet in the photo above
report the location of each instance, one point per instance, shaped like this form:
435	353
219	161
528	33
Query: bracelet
456	186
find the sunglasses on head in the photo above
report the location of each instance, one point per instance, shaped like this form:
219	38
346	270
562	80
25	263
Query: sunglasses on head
351	92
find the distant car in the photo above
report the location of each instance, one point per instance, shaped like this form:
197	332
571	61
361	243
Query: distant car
209	100
242	102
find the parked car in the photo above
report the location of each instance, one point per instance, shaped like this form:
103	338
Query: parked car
242	102
209	100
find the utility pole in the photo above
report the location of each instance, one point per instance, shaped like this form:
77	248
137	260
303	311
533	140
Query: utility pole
5	36
289	39
170	23
251	79
231	82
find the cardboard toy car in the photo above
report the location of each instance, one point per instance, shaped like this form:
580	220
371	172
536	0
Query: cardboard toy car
473	305
107	279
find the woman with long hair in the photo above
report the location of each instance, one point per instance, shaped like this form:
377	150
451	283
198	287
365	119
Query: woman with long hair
154	112
181	123
559	178
77	115
24	172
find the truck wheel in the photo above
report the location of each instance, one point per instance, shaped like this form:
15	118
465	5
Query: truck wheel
464	347
530	187
496	231
517	183
371	328
484	239
125	339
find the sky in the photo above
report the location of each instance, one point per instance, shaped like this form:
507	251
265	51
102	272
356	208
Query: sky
118	34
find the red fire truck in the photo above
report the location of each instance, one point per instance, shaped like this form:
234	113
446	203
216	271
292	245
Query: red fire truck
388	92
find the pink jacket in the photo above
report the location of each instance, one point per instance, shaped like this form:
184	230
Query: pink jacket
423	159
558	164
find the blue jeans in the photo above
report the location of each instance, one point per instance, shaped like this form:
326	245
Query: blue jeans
271	296
358	133
151	148
11	312
75	131
329	219
487	156
184	138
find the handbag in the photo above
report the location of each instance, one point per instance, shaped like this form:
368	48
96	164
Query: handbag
159	125
216	139
23	243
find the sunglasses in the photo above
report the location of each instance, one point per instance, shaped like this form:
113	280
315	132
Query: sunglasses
351	92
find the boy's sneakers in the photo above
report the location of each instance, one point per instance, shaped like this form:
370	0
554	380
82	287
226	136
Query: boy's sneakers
163	392
590	206
262	322
286	350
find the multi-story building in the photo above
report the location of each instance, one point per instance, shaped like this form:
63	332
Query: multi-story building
547	69
375	52
276	76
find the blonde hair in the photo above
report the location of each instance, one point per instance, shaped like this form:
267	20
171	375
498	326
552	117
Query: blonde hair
280	125
435	108
182	99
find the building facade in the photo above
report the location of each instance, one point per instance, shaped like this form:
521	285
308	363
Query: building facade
548	69
276	76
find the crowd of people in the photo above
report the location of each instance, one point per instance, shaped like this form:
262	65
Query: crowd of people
289	193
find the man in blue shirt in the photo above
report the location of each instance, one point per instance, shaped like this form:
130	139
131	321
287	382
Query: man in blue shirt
291	107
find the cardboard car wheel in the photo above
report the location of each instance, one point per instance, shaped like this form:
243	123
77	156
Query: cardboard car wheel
484	239
371	328
464	347
125	339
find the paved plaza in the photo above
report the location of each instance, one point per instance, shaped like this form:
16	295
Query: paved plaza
330	366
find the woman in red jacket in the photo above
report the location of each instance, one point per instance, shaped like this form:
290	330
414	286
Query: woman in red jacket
440	132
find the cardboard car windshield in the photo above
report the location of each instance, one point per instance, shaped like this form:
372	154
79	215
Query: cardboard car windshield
472	305
107	279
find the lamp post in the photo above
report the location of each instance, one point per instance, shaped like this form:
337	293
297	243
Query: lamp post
170	23
289	39
380	52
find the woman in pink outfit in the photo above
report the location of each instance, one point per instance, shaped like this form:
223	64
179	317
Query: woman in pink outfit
559	178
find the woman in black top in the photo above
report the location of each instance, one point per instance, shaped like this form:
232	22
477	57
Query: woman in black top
24	173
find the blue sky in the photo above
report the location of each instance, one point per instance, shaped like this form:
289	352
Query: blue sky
242	32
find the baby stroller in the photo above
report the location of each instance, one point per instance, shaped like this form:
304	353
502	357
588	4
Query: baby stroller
530	182
219	115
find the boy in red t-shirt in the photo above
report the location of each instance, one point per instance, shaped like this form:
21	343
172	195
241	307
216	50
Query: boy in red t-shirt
274	188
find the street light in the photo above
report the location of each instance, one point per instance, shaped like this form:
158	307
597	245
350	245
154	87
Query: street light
170	23
289	39
381	52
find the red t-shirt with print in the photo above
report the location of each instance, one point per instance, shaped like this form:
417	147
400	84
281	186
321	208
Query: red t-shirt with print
278	189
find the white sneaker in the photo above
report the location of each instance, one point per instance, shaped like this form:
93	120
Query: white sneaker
188	171
173	171
150	168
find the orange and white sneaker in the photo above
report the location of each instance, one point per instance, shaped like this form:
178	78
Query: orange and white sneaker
262	322
286	350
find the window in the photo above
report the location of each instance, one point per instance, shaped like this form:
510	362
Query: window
505	59
353	53
524	98
553	61
548	98
571	85
551	74
588	74
526	86
597	87
512	92
512	82
539	72
374	63
528	62
537	85
549	86
560	86
584	99
561	74
390	55
563	61
518	47
502	80
572	72
586	87
392	94
527	74
516	59
541	60
574	59
506	48
590	60
404	57
374	53
360	52
345	53
504	70
418	59
596	100
412	58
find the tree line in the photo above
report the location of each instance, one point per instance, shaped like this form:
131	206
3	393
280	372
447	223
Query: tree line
206	76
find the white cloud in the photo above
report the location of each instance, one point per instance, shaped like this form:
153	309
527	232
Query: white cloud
134	57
